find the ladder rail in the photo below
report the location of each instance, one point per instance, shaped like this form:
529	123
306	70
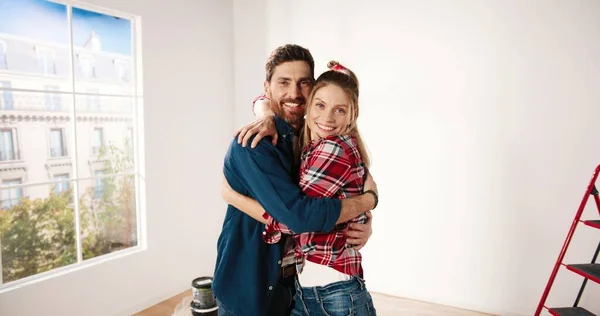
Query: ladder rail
584	283
596	198
595	257
563	251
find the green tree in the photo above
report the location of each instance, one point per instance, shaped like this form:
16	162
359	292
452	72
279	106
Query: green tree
39	235
111	212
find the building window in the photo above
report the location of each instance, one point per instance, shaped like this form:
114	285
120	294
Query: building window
87	64
129	136
11	196
93	100
122	70
3	54
9	146
58	146
63	185
99	184
52	98
6	95
97	140
46	60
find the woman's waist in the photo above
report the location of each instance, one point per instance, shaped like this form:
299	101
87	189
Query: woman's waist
315	274
347	261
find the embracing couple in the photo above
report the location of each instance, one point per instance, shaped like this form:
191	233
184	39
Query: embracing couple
299	194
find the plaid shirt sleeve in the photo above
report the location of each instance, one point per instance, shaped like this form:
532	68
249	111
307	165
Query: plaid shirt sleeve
328	170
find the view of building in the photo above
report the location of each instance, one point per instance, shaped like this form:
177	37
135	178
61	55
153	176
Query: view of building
64	108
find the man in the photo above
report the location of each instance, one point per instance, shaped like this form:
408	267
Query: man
252	277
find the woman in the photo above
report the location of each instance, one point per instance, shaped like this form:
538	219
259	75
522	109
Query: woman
333	164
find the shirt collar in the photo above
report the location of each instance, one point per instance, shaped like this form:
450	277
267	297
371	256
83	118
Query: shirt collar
283	127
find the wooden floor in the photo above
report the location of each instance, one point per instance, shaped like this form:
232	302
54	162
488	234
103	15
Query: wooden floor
385	305
390	306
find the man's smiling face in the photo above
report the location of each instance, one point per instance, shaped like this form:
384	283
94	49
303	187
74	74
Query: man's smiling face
288	90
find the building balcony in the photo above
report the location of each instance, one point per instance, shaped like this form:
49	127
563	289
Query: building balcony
25	105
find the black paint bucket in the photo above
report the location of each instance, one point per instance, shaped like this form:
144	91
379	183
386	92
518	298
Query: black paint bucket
203	302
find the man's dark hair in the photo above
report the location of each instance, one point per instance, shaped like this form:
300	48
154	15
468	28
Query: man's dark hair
289	52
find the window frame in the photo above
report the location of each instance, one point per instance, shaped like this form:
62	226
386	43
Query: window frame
136	96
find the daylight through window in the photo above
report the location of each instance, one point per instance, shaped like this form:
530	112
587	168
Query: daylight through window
69	108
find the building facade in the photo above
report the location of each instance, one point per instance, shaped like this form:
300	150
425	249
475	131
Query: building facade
46	130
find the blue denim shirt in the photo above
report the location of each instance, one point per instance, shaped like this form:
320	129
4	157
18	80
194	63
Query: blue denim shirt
247	268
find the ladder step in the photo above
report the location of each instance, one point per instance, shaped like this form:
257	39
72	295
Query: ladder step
570	311
589	271
595	224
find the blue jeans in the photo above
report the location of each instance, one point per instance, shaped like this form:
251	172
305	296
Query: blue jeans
340	298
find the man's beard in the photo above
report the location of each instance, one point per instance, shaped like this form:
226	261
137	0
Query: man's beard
296	123
295	120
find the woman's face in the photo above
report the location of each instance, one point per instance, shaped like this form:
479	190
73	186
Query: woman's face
329	112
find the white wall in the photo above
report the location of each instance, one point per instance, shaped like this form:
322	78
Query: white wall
188	75
480	116
250	54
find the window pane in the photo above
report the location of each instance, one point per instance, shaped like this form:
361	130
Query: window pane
108	214
101	135
36	138
37	230
103	49
36	40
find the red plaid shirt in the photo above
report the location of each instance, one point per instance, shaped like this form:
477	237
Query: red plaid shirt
331	168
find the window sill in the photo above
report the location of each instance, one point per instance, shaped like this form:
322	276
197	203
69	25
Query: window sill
16	162
70	268
60	158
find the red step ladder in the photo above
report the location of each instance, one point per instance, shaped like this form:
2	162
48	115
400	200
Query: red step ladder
589	271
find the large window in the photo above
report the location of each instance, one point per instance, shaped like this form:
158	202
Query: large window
69	181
